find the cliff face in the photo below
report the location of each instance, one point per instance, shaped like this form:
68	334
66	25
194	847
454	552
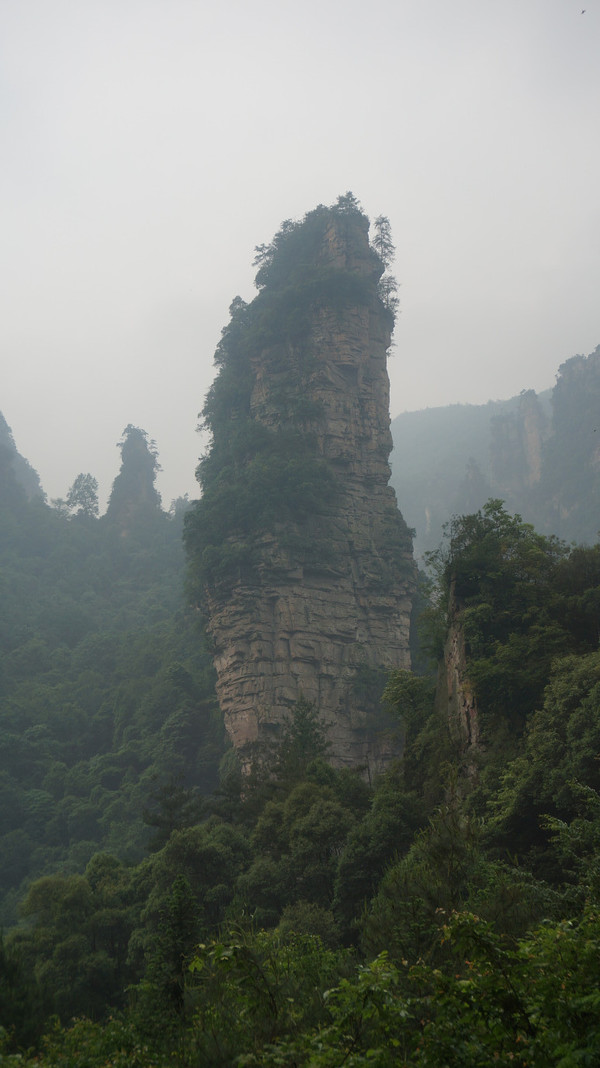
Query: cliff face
325	604
455	696
134	502
517	442
452	460
571	463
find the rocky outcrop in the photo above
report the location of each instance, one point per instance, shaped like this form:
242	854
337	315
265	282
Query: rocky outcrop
325	608
534	433
571	468
455	696
517	441
134	502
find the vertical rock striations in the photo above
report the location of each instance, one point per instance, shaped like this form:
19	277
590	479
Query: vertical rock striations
297	548
516	449
455	695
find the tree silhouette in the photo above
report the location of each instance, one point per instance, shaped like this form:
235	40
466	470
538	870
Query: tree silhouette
82	498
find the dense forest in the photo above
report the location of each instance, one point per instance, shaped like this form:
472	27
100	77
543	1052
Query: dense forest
107	693
160	908
159	911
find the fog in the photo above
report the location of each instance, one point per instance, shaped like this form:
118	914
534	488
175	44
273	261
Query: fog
147	147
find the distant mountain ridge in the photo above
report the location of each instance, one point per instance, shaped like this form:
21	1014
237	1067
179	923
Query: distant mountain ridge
540	453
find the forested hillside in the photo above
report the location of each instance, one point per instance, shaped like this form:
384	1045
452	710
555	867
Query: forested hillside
445	914
161	907
107	696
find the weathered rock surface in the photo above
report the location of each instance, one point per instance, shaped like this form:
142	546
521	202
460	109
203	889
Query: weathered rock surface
455	696
517	448
322	620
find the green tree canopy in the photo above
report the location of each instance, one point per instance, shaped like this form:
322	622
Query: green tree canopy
82	498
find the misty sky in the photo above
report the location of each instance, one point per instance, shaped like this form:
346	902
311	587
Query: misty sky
148	145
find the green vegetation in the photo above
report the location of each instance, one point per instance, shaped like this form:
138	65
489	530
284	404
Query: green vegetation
302	917
498	574
107	695
159	908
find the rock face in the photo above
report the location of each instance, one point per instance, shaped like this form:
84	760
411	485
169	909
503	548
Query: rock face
134	502
325	608
517	442
571	467
455	695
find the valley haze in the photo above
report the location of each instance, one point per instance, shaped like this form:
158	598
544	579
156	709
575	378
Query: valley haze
148	148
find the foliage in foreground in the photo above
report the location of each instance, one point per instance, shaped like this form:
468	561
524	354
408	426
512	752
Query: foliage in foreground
255	1000
309	919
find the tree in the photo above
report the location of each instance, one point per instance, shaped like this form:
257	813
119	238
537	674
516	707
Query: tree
303	741
163	990
348	203
384	834
387	288
382	241
255	989
297	843
60	506
56	944
174	807
21	1006
82	497
556	771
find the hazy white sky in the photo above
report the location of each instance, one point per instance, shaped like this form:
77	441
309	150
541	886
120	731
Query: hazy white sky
148	145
